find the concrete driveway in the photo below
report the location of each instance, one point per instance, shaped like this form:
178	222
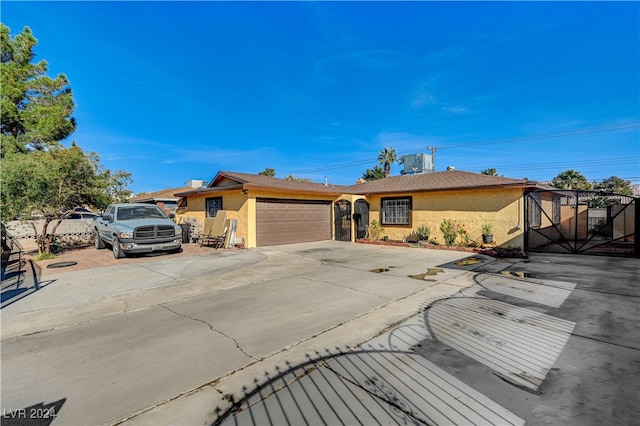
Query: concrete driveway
112	342
287	334
520	346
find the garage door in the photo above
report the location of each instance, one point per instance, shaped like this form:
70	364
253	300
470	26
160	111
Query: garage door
281	221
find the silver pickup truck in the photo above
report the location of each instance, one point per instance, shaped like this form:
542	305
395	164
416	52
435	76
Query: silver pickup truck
136	228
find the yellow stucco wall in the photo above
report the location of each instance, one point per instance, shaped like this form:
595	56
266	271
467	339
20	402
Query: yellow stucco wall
502	209
472	208
241	207
234	202
251	240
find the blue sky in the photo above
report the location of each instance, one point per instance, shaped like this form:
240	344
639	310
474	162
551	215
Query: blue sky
173	91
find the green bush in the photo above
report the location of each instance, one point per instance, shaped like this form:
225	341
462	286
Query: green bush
375	231
487	228
424	232
449	229
464	237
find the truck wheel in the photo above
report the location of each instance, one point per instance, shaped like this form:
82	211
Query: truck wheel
98	241
117	251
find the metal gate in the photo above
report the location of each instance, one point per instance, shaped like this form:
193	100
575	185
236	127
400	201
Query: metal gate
361	217
581	222
342	219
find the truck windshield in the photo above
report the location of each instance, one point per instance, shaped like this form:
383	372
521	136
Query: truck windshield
140	212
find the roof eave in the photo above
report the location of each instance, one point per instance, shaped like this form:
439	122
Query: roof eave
208	190
332	192
456	188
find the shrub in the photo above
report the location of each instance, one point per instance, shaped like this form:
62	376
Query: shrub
423	231
487	228
449	229
464	236
375	231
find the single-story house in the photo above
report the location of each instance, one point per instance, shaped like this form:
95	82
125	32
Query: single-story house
271	211
165	199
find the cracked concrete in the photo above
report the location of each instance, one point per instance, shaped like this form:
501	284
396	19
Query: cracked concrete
212	328
151	361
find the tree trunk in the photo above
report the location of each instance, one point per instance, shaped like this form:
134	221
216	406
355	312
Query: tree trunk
52	235
45	239
43	244
35	232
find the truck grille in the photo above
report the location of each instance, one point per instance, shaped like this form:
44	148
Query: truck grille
151	232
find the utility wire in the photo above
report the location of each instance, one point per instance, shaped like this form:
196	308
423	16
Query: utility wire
574	164
560	134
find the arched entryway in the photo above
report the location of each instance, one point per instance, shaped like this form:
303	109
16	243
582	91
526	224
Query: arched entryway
361	217
342	216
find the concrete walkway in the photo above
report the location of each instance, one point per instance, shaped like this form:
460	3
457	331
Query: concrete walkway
330	333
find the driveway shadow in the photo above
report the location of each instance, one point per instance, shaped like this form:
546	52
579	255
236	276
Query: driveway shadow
20	278
35	415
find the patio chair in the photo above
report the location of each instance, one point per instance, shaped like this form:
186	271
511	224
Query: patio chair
215	231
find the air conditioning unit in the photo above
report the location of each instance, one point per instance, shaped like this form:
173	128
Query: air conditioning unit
417	164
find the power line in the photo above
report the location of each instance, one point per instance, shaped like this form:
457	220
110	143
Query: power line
568	163
560	134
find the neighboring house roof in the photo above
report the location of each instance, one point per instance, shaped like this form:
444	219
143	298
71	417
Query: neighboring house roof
164	195
233	180
438	181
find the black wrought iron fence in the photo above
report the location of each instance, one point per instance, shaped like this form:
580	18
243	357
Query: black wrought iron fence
581	222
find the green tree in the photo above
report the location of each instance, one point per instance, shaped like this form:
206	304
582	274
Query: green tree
489	172
49	183
38	175
615	185
570	179
268	172
36	109
373	174
292	178
386	157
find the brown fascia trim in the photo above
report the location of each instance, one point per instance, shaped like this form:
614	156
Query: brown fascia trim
329	193
349	190
458	188
209	190
155	200
248	186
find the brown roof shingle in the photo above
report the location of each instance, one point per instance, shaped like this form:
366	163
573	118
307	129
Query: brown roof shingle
164	194
438	181
250	180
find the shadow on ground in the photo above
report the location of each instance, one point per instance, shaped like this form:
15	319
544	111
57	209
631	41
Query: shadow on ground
35	415
382	383
20	278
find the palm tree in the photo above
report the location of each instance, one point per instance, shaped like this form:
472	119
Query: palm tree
386	157
570	179
489	172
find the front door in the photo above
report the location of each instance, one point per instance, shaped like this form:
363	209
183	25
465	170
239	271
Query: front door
361	216
342	215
